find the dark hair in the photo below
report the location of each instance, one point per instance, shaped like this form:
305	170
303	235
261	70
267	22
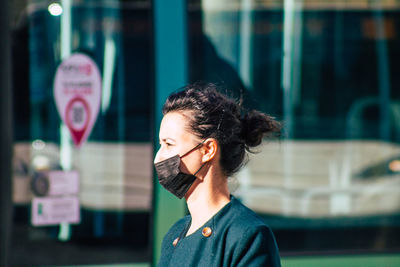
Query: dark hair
213	114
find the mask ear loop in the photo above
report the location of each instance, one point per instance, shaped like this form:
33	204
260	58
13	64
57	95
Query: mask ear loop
193	149
201	167
199	144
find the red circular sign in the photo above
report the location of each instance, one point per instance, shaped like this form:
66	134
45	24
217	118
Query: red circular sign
77	117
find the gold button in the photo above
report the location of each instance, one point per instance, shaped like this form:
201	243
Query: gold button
206	231
175	241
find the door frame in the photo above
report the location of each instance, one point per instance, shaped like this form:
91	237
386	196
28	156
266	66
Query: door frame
5	133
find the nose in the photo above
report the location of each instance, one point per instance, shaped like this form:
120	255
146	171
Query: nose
158	157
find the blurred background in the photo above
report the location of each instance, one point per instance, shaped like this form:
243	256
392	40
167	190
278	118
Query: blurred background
329	188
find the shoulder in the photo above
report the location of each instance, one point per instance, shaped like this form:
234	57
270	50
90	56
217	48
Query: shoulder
250	239
239	223
244	219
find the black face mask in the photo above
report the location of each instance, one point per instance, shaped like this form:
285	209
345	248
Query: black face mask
170	176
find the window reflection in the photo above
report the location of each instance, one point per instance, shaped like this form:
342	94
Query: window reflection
327	70
115	164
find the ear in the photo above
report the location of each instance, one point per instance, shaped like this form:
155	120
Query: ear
209	149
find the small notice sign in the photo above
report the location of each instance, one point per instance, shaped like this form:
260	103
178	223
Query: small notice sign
63	183
53	211
77	92
56	198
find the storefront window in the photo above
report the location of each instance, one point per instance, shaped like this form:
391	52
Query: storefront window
327	70
111	165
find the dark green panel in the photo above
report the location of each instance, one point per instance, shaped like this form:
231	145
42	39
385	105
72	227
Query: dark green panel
170	74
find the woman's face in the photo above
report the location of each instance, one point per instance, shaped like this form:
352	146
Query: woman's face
175	139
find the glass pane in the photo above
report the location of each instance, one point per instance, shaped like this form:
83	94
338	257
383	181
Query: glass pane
327	70
113	168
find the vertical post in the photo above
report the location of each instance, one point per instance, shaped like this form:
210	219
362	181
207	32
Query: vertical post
170	45
65	142
246	43
291	61
5	134
291	74
384	84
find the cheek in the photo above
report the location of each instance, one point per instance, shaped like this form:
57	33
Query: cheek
190	163
185	166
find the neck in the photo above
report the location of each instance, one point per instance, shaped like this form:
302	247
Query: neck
209	195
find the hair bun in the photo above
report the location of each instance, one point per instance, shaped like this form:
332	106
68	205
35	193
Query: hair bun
257	125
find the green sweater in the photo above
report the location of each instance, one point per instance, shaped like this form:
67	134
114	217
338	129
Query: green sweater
235	236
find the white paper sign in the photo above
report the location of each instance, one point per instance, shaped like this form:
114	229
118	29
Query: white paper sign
77	92
55	210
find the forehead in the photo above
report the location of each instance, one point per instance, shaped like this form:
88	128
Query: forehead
174	125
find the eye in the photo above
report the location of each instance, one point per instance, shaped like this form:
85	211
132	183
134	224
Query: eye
166	144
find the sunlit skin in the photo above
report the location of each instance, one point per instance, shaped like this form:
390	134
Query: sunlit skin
210	192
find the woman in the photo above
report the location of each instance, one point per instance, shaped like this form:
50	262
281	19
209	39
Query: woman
204	139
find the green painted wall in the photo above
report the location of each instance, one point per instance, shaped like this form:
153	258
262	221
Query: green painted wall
343	261
170	74
392	260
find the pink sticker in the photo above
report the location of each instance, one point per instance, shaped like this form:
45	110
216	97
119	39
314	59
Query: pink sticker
55	210
77	92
